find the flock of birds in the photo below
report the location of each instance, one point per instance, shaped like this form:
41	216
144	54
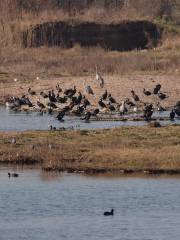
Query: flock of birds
72	101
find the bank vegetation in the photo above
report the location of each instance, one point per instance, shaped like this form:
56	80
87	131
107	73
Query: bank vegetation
126	149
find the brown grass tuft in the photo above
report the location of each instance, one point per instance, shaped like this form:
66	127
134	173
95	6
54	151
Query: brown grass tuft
123	148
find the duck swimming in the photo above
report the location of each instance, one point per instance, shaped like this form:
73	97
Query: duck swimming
13	175
111	213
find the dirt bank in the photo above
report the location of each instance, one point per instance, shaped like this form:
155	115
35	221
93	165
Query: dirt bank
124	36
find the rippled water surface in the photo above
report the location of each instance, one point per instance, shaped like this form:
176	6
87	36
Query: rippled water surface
53	206
20	121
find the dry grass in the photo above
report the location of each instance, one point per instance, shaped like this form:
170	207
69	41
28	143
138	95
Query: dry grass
72	66
77	61
124	148
56	64
18	15
82	61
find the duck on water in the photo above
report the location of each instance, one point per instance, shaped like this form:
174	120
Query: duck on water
15	175
111	213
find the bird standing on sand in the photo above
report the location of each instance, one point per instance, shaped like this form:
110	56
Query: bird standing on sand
79	111
123	108
61	99
111	99
157	89
89	90
162	96
104	96
135	97
111	107
51	105
95	112
101	104
40	105
31	92
58	88
70	92
52	97
99	79
146	92
130	103
13	140
160	108
43	94
78	98
85	102
50	146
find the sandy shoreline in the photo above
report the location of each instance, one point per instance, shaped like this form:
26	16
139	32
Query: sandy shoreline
118	86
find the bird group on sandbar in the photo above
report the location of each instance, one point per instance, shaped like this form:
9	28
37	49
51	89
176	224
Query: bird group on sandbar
71	101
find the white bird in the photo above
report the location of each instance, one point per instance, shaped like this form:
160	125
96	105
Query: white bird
7	104
15	79
37	78
13	140
135	109
50	146
99	79
123	108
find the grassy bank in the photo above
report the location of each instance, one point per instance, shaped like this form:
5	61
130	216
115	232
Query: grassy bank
127	148
16	16
26	64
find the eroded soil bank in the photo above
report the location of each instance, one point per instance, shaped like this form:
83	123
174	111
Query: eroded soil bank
125	36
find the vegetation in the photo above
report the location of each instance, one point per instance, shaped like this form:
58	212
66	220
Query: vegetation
116	149
26	64
130	148
17	15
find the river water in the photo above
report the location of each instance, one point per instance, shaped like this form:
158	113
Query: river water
21	121
53	206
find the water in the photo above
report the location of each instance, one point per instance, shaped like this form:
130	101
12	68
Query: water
21	121
53	206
